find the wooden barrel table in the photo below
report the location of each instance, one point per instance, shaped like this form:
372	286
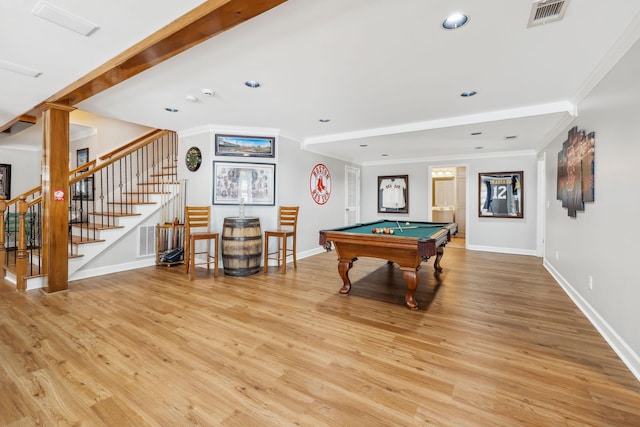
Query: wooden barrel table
241	246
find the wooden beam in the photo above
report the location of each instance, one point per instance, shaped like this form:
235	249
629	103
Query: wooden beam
207	20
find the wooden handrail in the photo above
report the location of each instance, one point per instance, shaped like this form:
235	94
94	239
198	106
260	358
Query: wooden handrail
128	145
139	143
90	164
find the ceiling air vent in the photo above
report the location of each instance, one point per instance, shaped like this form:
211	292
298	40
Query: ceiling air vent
545	11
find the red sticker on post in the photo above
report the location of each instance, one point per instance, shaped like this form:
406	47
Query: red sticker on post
58	195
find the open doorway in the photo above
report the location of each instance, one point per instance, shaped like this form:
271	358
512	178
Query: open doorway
449	198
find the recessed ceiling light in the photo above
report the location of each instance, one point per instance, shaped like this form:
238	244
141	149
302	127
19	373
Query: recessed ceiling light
20	69
63	18
384	155
171	109
455	20
324	120
511	137
478	148
364	145
468	93
476	133
252	83
207	92
191	98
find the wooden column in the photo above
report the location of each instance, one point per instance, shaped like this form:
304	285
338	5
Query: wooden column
55	195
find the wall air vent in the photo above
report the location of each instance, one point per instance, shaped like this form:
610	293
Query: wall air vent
545	11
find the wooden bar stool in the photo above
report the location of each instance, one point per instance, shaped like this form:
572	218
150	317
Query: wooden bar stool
199	217
287	225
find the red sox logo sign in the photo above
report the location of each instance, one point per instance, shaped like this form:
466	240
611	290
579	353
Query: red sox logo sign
320	184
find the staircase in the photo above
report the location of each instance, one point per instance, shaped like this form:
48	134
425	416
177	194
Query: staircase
109	199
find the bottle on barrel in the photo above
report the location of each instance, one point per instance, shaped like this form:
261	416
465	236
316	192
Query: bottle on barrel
241	208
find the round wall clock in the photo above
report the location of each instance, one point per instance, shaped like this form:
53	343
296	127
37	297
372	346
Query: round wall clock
320	184
193	159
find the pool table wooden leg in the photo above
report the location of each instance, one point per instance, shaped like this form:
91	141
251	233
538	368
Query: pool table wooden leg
411	277
343	268
439	253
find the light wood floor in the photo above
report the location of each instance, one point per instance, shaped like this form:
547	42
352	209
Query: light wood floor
496	342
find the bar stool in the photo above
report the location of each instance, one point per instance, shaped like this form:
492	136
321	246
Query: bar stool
287	226
199	217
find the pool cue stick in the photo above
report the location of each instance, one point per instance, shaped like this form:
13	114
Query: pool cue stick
399	226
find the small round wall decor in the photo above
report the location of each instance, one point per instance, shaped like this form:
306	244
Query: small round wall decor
320	184
193	159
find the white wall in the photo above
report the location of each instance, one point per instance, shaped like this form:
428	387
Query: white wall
602	241
509	235
293	169
108	134
25	168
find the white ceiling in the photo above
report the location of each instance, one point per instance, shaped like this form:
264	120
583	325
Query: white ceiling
384	72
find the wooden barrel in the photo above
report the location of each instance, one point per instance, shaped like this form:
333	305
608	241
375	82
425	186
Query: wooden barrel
241	246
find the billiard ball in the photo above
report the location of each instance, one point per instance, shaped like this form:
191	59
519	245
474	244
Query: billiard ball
408	223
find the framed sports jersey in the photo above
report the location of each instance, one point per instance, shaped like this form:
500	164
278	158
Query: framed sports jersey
500	194
393	194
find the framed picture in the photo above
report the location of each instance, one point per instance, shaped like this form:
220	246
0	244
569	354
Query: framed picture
500	194
82	157
393	194
250	183
576	171
83	189
245	146
5	180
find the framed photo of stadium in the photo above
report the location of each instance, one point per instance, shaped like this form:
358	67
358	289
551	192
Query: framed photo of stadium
393	194
500	194
245	146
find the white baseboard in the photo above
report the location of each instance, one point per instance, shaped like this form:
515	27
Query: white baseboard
101	271
622	349
512	251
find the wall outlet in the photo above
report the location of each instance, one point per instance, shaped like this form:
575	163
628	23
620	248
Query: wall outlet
590	282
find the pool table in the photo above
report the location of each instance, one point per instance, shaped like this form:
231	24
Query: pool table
410	244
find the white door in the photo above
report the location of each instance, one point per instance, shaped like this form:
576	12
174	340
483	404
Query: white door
352	195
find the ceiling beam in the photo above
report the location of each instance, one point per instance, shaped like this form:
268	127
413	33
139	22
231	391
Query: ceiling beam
200	24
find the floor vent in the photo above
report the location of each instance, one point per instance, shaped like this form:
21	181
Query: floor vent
545	11
146	240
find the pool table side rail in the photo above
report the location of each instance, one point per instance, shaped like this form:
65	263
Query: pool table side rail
426	247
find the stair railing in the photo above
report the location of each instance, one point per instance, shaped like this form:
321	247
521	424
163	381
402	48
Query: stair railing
104	192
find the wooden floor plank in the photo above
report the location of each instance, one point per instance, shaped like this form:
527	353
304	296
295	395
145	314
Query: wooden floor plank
488	347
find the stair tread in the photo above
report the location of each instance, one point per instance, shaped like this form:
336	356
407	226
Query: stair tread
117	214
93	226
78	240
134	193
131	203
159	183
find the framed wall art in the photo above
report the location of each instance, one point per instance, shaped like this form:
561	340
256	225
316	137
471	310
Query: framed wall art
83	189
82	157
245	146
393	194
500	194
576	171
5	180
250	183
